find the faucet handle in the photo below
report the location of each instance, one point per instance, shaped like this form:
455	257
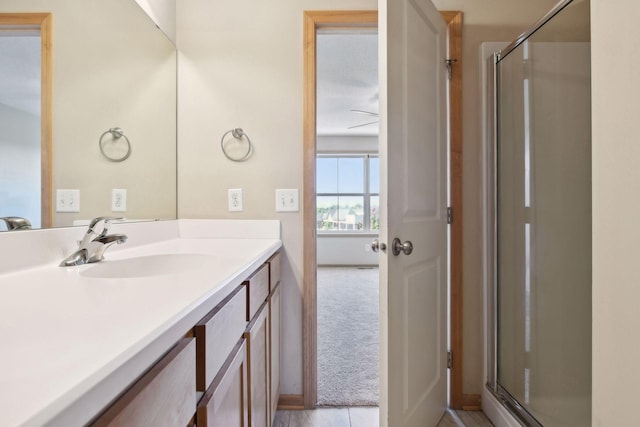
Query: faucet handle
105	219
90	235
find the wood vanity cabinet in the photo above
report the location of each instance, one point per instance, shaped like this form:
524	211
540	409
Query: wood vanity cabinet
263	344
232	355
164	396
223	403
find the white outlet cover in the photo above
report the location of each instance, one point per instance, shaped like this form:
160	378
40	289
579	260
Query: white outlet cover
287	200
118	200
235	199
67	200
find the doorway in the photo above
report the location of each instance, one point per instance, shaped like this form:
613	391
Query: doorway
369	19
347	211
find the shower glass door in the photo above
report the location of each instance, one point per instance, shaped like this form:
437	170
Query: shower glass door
544	223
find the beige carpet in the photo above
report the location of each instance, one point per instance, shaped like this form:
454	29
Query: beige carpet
348	336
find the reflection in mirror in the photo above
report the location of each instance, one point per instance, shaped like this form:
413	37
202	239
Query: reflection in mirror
111	68
25	118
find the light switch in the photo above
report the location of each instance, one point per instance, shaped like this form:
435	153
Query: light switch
287	200
67	200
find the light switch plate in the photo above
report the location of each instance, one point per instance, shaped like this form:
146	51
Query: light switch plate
67	200
287	200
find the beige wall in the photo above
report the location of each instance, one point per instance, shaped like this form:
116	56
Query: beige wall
241	66
616	209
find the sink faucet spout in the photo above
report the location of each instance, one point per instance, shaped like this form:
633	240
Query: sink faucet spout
16	223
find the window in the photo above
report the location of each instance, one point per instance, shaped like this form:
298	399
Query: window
347	193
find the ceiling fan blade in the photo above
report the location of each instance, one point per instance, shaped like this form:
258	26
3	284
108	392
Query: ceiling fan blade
369	113
363	124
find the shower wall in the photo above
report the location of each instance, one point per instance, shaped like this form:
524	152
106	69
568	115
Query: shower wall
544	227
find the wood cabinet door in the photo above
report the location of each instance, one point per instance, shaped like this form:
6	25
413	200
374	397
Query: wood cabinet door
225	402
257	337
274	348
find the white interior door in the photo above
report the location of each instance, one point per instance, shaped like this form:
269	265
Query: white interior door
413	156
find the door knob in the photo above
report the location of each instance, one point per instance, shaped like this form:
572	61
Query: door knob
398	246
376	246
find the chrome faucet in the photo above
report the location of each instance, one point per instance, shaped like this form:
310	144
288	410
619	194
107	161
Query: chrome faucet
16	223
93	245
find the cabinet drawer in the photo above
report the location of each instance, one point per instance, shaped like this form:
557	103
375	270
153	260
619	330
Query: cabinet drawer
225	402
164	396
217	334
274	271
257	289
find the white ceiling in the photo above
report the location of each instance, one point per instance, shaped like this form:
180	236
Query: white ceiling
347	74
20	72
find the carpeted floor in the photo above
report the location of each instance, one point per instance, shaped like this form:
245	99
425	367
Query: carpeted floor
348	336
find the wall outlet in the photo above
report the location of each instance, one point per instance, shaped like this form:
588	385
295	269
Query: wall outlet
235	199
287	200
67	200
118	200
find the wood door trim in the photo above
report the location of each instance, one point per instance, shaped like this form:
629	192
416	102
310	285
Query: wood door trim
312	21
340	19
454	26
44	22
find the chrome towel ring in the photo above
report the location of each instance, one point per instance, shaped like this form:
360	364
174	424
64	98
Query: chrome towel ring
239	137
116	134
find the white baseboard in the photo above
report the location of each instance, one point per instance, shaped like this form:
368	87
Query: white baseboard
497	413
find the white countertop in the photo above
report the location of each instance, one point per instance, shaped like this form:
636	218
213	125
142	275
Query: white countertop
71	343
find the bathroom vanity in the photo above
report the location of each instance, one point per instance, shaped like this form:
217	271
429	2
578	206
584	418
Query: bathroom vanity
180	325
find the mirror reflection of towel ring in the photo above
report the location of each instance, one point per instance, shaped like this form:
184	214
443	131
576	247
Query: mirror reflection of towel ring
238	134
116	133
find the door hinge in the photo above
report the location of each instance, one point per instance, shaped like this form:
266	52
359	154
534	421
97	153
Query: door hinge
449	359
449	215
449	64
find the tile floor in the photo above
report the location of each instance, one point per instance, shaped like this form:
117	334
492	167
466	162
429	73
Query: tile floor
367	417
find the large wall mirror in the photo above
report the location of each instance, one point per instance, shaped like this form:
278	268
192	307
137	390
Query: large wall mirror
109	67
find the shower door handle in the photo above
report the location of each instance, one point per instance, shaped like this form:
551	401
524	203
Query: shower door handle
398	246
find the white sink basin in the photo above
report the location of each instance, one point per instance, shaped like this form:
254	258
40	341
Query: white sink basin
147	266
